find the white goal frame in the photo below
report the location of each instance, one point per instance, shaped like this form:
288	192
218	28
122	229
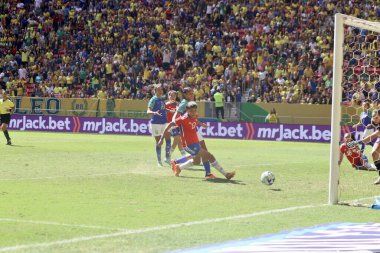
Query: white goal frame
340	21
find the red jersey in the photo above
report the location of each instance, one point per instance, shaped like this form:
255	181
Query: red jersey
188	128
353	154
170	105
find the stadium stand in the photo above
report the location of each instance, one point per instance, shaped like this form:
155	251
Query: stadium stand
269	51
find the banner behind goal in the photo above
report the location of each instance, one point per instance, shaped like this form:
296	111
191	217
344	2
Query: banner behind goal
356	75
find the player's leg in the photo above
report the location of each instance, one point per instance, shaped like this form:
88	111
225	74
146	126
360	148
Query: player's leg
214	163
174	145
158	151
5	119
179	144
186	161
176	141
197	159
156	133
376	158
206	164
167	147
365	165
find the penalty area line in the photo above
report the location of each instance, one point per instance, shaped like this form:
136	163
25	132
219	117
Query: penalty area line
151	229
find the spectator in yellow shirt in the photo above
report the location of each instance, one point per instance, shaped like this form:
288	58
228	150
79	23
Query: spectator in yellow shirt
219	103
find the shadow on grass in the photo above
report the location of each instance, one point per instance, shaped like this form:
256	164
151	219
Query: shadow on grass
216	180
195	169
21	146
224	181
275	189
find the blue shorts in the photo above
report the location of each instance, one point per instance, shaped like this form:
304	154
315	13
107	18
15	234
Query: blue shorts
174	131
193	149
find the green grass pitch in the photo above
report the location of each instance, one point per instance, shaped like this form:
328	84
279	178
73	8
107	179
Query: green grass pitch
105	193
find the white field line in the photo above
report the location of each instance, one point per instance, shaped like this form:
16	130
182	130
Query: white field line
151	229
124	173
367	198
57	224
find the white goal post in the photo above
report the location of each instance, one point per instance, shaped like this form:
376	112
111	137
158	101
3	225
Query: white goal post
340	21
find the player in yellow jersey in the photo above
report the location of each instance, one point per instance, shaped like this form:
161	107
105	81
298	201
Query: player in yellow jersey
6	109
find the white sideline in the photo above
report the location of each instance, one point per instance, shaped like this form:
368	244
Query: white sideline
57	224
158	228
124	173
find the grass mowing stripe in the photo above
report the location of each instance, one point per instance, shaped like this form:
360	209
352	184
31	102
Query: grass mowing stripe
57	224
124	173
157	228
57	177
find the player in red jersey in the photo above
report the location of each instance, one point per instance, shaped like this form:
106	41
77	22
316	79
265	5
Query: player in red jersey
188	95
354	154
171	107
188	127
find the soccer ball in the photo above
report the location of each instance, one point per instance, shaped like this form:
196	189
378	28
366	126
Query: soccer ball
267	178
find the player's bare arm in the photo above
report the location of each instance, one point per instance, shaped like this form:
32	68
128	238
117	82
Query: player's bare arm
167	128
371	137
200	123
151	112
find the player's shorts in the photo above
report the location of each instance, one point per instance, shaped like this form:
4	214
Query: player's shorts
193	149
157	129
367	132
5	118
174	131
200	137
359	164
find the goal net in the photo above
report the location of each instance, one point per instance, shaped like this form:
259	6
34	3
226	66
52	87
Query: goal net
356	92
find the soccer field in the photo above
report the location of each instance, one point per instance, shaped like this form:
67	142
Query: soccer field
105	193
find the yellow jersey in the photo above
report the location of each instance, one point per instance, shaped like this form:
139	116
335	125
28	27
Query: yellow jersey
272	118
6	106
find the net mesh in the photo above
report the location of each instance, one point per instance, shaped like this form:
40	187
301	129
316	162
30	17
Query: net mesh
361	95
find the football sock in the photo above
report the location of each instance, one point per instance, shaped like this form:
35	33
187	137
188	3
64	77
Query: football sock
158	152
167	149
207	167
6	135
186	164
183	152
182	159
217	166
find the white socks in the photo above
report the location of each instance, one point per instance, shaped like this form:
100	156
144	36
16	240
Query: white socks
186	164
217	166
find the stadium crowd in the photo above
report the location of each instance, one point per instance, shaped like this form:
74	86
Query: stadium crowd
276	51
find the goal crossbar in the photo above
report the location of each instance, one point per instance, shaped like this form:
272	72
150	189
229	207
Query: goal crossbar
360	23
